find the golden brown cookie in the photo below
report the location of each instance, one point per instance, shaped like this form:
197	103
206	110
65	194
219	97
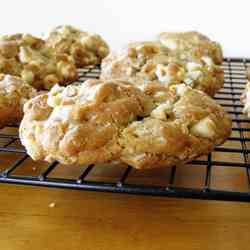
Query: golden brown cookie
81	123
192	44
13	94
145	62
245	99
101	121
185	124
84	48
28	57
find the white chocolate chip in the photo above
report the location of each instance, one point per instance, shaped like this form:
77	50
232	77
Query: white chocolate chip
53	98
195	74
61	114
162	74
162	110
71	91
191	66
129	71
24	55
181	89
204	128
207	60
188	81
169	43
140	157
160	96
89	96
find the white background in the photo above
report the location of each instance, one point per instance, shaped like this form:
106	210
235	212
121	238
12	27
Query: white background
120	21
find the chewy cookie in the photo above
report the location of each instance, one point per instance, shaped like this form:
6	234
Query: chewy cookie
145	62
81	123
245	99
185	124
101	121
192	44
28	57
84	48
13	94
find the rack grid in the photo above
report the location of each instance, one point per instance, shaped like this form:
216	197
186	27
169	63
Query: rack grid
222	175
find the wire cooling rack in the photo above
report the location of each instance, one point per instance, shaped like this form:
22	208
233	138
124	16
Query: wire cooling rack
222	175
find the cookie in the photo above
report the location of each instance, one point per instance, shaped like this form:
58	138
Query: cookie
192	45
185	124
145	62
13	94
84	48
245	99
81	123
103	121
28	57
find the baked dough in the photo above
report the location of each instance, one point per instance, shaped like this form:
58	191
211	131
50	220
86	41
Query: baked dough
185	124
245	99
81	123
83	47
13	94
28	57
192	44
145	62
102	121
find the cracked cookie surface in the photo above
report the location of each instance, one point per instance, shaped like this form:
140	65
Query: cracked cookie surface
81	123
185	124
102	121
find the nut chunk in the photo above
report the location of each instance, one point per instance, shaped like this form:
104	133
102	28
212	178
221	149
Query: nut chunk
13	94
83	47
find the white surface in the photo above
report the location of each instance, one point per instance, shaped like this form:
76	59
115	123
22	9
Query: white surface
127	20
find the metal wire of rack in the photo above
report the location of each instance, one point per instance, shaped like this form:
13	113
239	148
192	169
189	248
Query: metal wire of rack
16	166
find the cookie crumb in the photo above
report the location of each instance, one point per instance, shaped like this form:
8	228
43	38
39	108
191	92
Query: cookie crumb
52	204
